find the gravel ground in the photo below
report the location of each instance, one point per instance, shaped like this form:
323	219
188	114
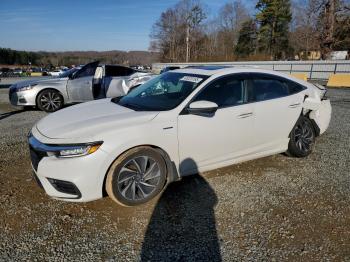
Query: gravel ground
275	208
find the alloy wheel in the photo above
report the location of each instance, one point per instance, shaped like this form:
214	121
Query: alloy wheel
303	135
51	101
139	178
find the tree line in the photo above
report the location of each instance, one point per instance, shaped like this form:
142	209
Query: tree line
13	57
53	59
275	30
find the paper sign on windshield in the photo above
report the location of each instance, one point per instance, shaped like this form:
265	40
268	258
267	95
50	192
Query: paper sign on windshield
192	79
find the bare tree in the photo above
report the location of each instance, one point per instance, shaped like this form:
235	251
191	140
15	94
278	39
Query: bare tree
179	31
327	25
231	17
304	35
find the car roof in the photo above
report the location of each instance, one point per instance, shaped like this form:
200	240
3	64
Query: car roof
225	70
222	70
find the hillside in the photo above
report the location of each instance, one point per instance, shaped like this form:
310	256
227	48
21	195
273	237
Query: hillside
42	58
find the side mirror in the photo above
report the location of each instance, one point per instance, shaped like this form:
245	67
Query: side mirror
202	107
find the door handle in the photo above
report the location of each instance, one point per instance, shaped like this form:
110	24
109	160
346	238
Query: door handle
245	115
294	105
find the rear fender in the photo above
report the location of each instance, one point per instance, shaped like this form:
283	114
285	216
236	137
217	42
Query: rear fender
320	114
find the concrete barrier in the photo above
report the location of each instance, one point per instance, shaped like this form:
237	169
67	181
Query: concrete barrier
339	80
315	70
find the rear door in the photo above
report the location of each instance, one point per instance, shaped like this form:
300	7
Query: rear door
277	106
79	88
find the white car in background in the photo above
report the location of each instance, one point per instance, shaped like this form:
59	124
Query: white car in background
56	72
92	81
182	122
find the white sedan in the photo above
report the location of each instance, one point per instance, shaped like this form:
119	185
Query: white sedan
56	72
180	123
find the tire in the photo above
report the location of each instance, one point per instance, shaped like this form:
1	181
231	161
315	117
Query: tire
136	176
49	100
302	138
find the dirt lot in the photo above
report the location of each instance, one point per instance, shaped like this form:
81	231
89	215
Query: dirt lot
275	208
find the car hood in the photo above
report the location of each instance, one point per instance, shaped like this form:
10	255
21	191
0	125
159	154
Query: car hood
87	121
50	80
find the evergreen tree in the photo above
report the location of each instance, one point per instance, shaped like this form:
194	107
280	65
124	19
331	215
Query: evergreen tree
246	44
274	18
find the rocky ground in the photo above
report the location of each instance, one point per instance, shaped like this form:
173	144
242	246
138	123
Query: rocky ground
275	208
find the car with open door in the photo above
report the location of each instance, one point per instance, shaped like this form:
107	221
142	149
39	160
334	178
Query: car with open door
179	123
92	81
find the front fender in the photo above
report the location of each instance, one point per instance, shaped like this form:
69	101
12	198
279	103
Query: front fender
154	135
59	87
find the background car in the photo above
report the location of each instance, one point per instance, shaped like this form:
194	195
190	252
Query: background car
57	72
169	68
92	81
180	123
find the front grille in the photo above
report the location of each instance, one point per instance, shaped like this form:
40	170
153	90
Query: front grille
36	156
65	187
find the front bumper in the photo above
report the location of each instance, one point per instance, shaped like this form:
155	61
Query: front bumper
77	179
24	98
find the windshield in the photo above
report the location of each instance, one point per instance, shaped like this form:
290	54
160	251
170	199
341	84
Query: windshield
68	72
163	92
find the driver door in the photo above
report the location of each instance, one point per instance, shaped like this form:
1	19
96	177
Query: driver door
213	141
79	87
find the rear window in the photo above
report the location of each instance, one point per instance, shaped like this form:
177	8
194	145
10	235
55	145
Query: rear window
266	89
294	87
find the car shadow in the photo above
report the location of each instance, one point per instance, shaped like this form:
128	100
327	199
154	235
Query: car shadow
8	114
182	226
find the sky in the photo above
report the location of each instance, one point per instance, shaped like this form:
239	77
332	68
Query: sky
62	25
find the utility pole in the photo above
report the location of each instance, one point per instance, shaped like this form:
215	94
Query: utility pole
187	43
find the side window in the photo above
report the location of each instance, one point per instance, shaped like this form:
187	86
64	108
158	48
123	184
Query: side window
87	70
228	91
294	87
264	88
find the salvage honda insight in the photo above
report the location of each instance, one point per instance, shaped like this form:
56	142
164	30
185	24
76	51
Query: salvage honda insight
182	122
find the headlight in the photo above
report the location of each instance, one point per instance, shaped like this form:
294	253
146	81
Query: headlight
77	150
25	88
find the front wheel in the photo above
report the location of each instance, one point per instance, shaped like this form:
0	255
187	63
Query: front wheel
136	176
49	101
302	138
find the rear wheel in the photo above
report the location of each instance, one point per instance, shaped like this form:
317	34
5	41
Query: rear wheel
136	177
302	138
49	100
